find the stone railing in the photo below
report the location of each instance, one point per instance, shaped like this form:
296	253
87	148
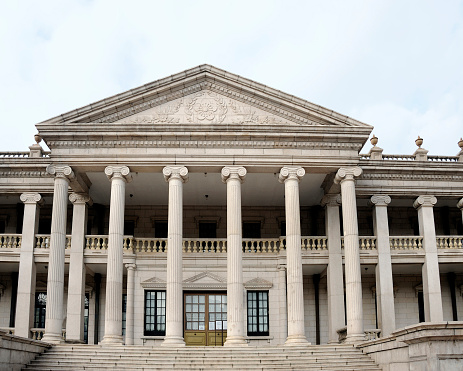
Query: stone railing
263	245
314	243
449	242
21	154
365	242
37	333
443	158
399	157
10	241
8	330
370	334
149	244
432	158
406	242
100	242
42	241
203	245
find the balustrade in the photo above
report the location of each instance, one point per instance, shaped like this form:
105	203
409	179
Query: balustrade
365	242
149	244
10	241
37	333
406	242
259	245
449	242
42	241
314	243
216	245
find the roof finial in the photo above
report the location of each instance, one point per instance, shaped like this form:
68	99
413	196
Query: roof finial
38	138
419	141
460	143
374	140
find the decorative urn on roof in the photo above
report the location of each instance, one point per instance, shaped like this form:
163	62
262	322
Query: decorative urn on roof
419	141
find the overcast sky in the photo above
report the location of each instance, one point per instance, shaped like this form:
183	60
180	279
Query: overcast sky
396	65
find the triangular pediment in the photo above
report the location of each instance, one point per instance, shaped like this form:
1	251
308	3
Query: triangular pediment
153	282
205	280
258	283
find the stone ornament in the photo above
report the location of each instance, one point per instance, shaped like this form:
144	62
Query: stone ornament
61	171
419	141
380	200
460	204
121	172
424	201
331	200
374	140
233	172
37	138
175	172
31	198
288	172
131	266
460	143
80	198
347	173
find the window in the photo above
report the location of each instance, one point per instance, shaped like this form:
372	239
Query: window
124	313
40	309
258	313
160	229
129	228
421	316
251	230
86	308
207	230
155	313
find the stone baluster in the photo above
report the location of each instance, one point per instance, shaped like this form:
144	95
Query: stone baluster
430	271
55	283
233	176
175	176
76	284
354	309
24	317
119	176
129	315
335	284
291	176
384	282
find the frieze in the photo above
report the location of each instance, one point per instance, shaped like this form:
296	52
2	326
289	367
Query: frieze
25	174
401	176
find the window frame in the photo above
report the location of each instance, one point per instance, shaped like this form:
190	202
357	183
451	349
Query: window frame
154	332
257	317
40	310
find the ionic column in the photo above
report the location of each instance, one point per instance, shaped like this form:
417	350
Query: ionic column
291	176
129	315
55	282
384	281
119	176
460	205
233	176
335	284
175	176
76	284
430	271
354	309
24	318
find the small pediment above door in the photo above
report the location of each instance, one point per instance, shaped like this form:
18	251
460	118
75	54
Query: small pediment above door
154	283
258	283
205	280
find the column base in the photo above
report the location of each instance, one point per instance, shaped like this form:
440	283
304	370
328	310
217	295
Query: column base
235	341
173	341
354	338
112	340
52	338
296	340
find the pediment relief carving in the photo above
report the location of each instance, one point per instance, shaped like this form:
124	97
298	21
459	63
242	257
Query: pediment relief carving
258	283
154	282
205	107
205	280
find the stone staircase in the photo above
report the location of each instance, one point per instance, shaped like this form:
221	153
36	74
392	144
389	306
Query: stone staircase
95	357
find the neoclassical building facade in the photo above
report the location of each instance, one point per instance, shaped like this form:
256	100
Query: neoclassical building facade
208	209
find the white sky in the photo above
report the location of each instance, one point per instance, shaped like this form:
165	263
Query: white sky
396	65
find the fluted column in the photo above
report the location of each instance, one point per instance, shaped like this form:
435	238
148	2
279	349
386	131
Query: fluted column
460	206
119	176
24	318
233	176
283	315
76	284
384	281
430	271
55	282
129	315
291	176
335	284
175	176
354	309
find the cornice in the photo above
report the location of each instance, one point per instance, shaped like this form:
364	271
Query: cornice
25	174
418	177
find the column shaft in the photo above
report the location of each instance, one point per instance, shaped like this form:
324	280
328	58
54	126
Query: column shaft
233	176
295	289
384	281
354	308
129	317
24	318
174	300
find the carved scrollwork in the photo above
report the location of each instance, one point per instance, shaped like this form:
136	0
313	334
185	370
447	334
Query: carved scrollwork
233	172
347	173
122	172
288	172
460	204
61	171
31	198
331	200
175	172
80	198
380	200
206	106
424	200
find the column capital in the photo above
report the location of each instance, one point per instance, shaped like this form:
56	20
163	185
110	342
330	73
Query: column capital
118	172
80	198
460	204
424	201
331	200
289	172
61	171
233	172
131	266
347	173
175	172
31	198
380	200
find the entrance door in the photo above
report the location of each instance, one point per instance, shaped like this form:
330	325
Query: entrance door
205	319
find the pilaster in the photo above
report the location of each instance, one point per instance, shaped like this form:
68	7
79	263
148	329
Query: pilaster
354	307
129	315
431	278
175	176
24	317
335	279
384	281
233	176
291	177
119	176
55	283
76	284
